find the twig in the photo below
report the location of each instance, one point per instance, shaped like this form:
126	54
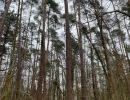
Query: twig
118	12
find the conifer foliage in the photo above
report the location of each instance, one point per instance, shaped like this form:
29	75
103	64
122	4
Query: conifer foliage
64	50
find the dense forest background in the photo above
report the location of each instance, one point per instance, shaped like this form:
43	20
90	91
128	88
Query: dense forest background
65	50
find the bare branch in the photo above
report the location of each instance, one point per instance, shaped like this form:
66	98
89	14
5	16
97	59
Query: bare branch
126	14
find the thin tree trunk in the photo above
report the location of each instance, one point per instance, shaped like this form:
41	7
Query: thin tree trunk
44	56
68	55
110	79
83	78
19	67
42	71
92	64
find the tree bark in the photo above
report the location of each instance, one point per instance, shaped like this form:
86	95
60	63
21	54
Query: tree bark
68	54
42	72
19	67
83	78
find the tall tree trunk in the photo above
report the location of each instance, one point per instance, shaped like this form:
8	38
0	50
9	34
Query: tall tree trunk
93	72
83	78
42	71
19	67
110	79
68	54
92	62
44	56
